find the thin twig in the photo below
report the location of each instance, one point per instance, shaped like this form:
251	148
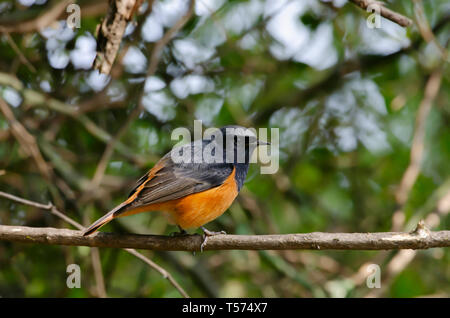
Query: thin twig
50	207
159	46
158	268
16	49
98	273
425	30
404	257
26	140
154	60
417	149
42	21
385	12
34	98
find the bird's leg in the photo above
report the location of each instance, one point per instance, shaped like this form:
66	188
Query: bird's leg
207	233
181	233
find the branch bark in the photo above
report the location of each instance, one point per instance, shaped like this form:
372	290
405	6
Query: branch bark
420	238
42	21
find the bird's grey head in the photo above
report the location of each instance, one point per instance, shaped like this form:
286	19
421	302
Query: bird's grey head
237	142
229	144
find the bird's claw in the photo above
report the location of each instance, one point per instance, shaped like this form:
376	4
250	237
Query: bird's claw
206	234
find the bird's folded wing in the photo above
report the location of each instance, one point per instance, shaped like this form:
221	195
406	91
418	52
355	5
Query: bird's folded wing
169	181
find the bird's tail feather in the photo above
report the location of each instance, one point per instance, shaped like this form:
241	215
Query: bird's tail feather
104	219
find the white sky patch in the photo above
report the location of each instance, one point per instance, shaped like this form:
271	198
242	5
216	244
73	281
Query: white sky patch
340	104
152	30
250	41
191	84
45	86
129	29
358	106
355	91
292	39
12	96
116	91
209	33
97	81
153	83
369	132
152	138
83	55
243	16
386	40
62	32
191	53
339	3
293	124
175	70
26	3
170	11
368	90
347	140
57	38
287	29
273	6
160	104
207	108
58	59
206	7
135	61
319	52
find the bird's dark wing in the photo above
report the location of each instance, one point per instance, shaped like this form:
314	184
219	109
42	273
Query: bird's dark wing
169	181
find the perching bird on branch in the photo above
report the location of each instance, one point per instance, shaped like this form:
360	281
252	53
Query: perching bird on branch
194	183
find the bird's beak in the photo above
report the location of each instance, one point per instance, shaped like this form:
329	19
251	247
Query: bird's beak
262	143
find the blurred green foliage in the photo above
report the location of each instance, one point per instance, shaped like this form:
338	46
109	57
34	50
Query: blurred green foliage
345	98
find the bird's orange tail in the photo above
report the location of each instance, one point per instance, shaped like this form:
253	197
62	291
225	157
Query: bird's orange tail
104	219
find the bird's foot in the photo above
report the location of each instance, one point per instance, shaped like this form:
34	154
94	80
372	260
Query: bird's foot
207	233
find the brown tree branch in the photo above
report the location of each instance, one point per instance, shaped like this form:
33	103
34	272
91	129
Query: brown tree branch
154	61
40	22
111	31
385	12
420	238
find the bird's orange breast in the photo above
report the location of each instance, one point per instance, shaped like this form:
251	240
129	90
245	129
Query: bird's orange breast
196	209
200	208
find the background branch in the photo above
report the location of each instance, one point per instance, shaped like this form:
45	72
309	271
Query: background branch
385	12
111	31
26	140
97	268
42	21
154	60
